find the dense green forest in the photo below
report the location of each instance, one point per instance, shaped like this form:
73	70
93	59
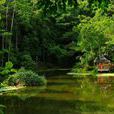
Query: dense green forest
38	35
55	33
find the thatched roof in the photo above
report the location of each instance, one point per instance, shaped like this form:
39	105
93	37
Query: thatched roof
101	59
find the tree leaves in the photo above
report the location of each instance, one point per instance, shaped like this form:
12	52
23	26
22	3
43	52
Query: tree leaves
56	5
2	2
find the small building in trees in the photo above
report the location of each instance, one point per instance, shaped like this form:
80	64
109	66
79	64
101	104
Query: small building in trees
103	64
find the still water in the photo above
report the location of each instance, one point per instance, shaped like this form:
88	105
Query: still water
63	95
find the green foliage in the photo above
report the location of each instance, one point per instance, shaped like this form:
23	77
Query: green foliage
54	31
58	51
2	109
2	2
1	112
27	62
9	65
7	34
25	78
95	34
8	69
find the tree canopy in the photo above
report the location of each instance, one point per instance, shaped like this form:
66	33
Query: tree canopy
55	31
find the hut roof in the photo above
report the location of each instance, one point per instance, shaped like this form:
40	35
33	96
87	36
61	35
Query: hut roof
101	59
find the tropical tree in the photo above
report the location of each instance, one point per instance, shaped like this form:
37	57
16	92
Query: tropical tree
95	35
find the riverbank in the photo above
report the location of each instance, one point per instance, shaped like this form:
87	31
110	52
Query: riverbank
10	88
89	74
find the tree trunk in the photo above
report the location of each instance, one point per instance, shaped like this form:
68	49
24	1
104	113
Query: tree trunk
2	50
11	31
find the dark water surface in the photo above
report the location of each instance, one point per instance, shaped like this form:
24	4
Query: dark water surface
63	95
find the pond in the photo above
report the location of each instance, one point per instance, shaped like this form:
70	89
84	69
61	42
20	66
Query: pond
63	95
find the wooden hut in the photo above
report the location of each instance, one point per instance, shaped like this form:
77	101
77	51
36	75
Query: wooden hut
103	64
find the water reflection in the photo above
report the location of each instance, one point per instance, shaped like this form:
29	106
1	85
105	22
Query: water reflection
63	96
105	83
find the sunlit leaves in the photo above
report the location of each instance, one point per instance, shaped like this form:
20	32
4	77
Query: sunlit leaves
2	2
6	34
95	35
34	1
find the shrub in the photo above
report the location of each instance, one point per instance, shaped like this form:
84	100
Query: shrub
27	62
26	78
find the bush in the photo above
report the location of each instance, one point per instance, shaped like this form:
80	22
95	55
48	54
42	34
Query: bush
25	78
27	62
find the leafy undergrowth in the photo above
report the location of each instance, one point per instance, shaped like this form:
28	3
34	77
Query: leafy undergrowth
25	78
